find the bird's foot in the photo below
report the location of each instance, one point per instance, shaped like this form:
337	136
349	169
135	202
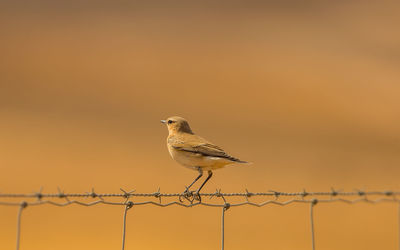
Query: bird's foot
187	195
196	196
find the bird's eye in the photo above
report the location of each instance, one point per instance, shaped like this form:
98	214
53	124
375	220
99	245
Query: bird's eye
170	121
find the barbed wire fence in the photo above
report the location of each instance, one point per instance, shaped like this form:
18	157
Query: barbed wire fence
189	200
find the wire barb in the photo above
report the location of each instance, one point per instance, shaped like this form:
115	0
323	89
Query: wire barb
158	195
39	194
127	195
276	194
248	195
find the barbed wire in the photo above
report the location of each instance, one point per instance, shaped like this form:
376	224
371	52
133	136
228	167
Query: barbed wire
157	194
311	198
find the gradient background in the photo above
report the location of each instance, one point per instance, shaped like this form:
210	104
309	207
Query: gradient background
308	92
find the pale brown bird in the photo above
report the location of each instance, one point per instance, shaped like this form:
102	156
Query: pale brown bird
194	152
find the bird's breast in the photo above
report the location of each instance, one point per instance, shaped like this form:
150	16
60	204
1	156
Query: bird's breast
187	159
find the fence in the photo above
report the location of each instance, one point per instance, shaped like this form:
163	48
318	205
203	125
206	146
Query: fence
311	198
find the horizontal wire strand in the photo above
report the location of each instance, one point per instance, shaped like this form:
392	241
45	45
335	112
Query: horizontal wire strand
218	193
177	203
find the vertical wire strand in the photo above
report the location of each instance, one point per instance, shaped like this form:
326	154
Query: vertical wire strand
398	222
312	224
124	225
223	229
22	206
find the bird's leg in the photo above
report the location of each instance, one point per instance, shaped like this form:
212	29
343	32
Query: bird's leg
210	173
197	193
197	178
186	194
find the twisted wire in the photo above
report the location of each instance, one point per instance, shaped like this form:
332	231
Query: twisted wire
217	193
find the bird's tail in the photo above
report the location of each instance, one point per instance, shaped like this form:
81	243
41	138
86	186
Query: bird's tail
247	163
241	162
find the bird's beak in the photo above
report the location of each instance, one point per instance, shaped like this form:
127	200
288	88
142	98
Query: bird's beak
163	121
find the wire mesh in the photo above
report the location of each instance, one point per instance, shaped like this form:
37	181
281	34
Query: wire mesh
61	199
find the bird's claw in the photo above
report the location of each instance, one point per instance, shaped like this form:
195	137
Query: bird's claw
196	196
190	196
187	195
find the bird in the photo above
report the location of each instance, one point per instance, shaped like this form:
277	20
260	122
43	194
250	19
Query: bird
195	152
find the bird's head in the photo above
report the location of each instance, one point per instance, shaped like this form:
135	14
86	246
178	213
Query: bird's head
177	124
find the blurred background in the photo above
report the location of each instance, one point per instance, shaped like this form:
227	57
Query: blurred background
307	91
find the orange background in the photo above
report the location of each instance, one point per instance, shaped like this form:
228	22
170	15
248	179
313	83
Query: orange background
308	92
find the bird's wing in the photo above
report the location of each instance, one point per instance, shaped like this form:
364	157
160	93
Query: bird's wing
201	146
